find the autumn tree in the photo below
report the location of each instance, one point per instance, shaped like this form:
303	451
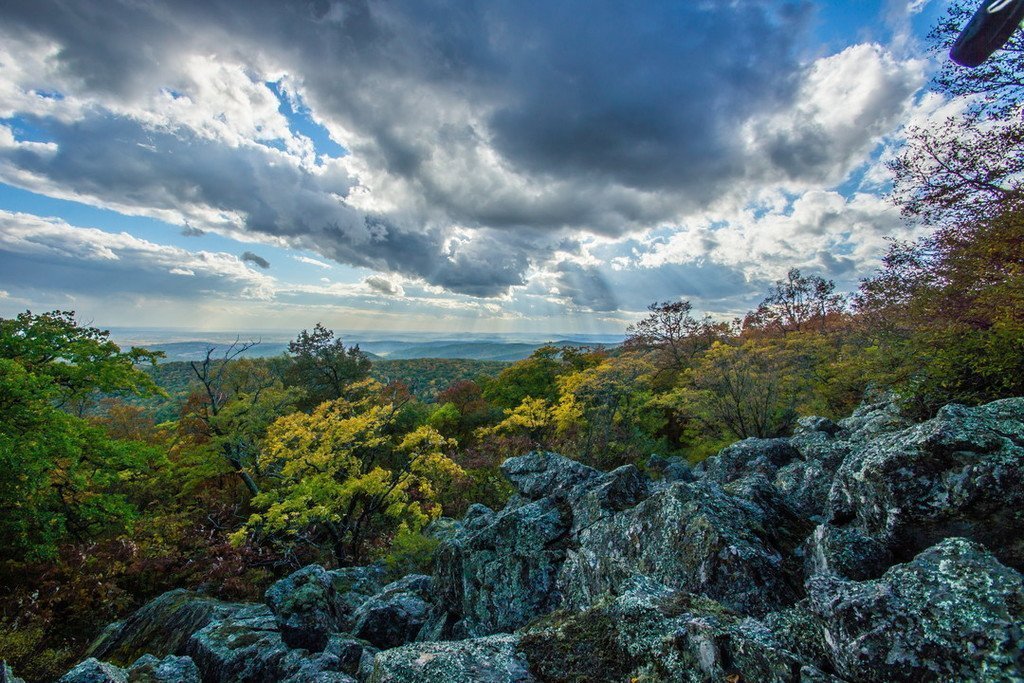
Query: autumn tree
750	389
674	335
322	365
339	475
796	304
533	377
967	166
606	409
949	312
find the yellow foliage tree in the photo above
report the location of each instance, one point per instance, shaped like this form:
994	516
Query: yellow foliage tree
343	476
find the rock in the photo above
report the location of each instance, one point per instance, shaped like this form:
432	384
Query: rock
657	635
814	424
750	456
805	482
394	616
248	648
353	586
306	607
170	669
538	474
6	675
499	577
601	497
477	515
952	613
350	652
877	415
959	474
493	659
160	627
670	469
845	551
694	537
95	671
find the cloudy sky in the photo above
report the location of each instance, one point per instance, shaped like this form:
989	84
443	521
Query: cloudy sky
444	165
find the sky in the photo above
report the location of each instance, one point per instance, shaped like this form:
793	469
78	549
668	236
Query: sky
446	165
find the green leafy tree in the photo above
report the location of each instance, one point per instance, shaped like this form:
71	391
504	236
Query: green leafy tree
226	420
323	367
60	476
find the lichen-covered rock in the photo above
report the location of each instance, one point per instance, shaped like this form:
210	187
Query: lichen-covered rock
160	627
539	473
500	576
657	635
305	606
877	415
493	659
601	497
6	675
353	586
747	457
805	482
694	537
170	669
959	474
394	616
95	671
248	648
954	613
671	469
350	652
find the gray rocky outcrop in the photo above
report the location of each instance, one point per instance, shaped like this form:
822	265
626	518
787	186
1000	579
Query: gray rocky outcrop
492	659
953	613
394	616
170	669
959	474
305	606
160	627
860	550
95	671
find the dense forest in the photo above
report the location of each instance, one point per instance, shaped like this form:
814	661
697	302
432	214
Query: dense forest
122	477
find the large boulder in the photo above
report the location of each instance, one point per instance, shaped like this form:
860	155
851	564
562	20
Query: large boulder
394	616
696	537
747	457
652	634
538	474
248	648
95	671
170	669
959	474
305	605
953	613
160	627
493	659
353	586
500	576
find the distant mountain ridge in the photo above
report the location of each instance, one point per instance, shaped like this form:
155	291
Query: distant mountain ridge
383	349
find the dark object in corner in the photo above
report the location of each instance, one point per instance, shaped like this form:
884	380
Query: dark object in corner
987	31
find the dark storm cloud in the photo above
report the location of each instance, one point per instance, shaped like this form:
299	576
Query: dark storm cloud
496	129
255	259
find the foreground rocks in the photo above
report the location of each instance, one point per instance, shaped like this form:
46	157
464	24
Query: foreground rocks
869	549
